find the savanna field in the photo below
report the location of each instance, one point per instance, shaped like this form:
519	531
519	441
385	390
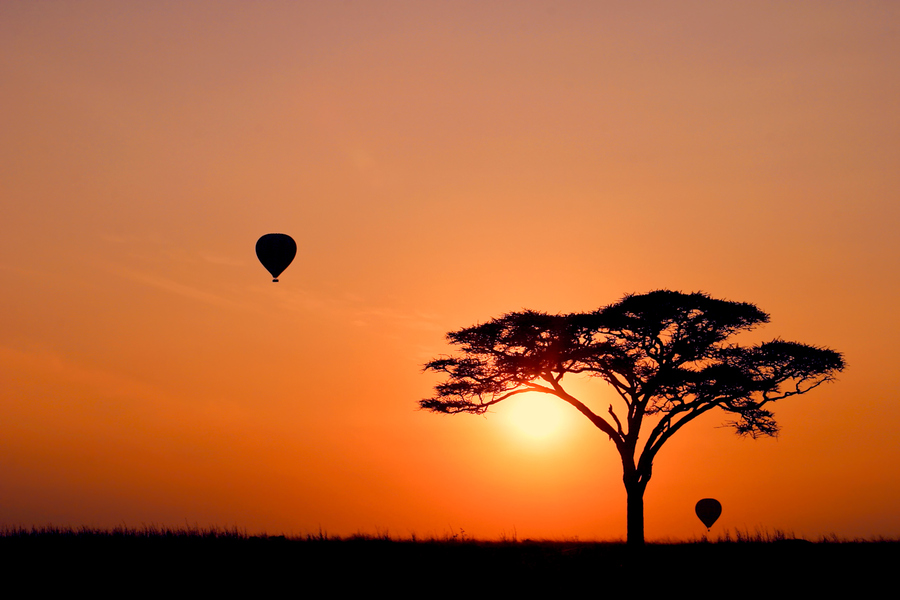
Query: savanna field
212	559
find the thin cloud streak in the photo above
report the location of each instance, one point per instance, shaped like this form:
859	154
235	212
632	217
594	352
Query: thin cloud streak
180	289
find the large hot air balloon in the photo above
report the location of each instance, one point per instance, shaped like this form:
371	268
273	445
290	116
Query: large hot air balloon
708	510
276	251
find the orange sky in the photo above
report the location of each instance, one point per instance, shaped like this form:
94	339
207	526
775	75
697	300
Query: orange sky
438	163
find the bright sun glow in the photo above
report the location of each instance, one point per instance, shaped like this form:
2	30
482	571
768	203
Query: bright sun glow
536	415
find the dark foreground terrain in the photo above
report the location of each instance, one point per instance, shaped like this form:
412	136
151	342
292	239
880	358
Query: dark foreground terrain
126	562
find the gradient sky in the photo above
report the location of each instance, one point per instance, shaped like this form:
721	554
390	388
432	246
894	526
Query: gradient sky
438	163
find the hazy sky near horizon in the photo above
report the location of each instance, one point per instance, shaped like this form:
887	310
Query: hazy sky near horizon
438	164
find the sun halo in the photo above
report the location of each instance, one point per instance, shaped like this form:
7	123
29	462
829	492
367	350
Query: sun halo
536	416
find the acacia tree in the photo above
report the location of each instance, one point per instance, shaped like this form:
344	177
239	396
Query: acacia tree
665	353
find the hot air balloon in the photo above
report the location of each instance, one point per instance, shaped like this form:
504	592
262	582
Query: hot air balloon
708	510
276	251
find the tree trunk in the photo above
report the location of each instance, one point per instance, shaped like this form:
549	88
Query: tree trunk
635	492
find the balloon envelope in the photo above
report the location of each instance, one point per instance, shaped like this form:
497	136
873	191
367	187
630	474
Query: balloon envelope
708	510
276	251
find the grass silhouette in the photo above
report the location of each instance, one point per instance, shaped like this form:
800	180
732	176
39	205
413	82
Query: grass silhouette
214	557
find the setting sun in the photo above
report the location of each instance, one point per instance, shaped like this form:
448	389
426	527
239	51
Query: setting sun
537	416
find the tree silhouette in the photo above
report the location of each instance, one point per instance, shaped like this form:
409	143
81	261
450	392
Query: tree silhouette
665	354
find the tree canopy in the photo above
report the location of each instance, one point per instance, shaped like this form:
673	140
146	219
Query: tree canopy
666	354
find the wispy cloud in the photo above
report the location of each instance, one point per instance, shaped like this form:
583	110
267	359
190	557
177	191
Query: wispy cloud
181	289
48	364
219	259
351	307
411	319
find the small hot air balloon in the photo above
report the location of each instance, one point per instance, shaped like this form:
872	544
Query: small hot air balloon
708	510
276	251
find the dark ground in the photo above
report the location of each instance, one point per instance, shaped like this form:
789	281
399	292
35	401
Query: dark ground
184	563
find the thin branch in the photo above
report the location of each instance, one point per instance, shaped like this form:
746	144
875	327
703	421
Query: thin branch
594	418
616	419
